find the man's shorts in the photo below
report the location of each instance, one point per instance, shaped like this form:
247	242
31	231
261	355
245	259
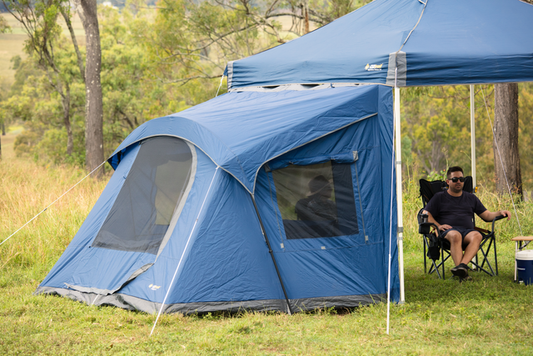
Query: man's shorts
462	231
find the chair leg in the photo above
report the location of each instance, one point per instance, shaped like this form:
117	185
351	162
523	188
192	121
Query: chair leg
425	255
443	260
495	256
484	248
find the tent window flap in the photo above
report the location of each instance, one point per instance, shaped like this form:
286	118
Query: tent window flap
144	207
316	200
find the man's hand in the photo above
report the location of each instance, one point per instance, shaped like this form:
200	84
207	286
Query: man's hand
489	216
444	227
506	213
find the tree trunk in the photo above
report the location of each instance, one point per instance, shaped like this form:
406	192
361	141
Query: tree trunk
65	11
94	138
66	120
506	155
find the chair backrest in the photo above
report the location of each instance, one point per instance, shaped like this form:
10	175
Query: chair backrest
429	189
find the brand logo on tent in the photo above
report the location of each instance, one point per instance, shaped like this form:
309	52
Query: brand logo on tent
154	287
373	67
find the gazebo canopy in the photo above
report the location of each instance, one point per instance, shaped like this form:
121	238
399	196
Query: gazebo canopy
436	42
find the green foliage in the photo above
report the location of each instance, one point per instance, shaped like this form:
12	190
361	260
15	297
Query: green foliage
4	26
33	100
437	175
437	120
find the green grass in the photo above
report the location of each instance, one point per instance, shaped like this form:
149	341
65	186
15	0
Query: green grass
490	316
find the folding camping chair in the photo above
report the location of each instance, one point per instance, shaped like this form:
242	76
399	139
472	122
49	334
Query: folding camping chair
438	248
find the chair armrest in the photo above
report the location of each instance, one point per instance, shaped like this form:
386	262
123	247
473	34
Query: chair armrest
499	217
425	228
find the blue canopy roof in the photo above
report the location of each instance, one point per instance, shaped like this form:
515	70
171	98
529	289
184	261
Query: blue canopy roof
436	42
240	131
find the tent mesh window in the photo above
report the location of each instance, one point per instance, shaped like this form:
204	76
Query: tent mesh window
151	192
316	200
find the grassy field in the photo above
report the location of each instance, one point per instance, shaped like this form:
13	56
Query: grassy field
490	316
12	43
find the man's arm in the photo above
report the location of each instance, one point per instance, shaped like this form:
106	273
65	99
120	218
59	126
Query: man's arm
432	220
489	215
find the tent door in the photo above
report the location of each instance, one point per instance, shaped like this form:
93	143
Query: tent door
112	270
141	219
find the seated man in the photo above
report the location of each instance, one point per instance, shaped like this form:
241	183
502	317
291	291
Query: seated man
452	211
318	207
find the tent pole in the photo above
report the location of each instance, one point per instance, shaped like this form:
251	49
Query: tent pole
272	255
399	193
184	250
473	136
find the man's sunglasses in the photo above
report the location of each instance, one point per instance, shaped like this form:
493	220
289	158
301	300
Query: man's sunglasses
458	179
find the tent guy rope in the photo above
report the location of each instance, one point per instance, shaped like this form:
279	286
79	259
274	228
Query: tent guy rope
61	196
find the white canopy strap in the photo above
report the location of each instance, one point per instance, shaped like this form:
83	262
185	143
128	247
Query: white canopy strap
399	200
399	193
390	240
473	136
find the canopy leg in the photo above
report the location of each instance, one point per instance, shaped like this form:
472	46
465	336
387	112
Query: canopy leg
399	193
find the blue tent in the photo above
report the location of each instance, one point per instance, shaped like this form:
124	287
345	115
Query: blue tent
401	43
430	42
261	201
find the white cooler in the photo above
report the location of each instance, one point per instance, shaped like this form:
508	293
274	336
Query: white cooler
524	266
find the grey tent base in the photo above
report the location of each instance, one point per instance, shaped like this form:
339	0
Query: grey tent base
133	303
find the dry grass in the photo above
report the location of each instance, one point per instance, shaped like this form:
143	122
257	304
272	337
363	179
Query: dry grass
26	190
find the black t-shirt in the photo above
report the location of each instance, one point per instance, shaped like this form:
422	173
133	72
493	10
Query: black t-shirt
455	211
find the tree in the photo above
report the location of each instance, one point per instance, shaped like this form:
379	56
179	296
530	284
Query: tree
94	134
201	37
436	120
39	20
4	27
506	152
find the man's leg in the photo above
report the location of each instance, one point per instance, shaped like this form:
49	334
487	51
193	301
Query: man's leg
472	241
456	246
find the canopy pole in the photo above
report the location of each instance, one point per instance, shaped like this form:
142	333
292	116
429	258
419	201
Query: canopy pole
473	136
399	193
272	255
